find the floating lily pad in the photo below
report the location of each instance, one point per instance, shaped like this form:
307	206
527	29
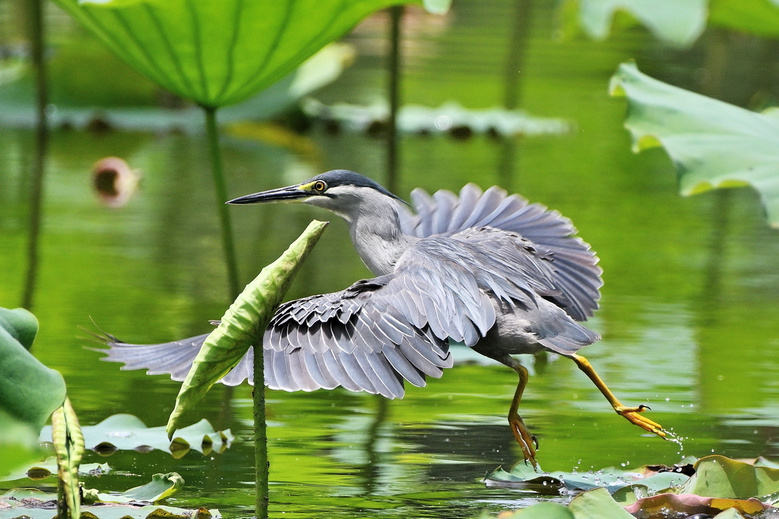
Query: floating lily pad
612	479
36	504
448	119
712	144
48	468
128	432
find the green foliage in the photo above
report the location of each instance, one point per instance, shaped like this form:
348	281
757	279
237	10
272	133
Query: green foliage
218	53
69	446
243	324
720	487
29	391
712	144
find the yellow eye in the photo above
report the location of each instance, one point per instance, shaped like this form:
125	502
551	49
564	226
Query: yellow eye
319	186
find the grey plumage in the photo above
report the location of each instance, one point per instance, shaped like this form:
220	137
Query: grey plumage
465	257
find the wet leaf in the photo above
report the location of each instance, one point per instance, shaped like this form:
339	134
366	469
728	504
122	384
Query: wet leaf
160	487
721	477
670	20
612	479
690	504
128	432
243	324
69	446
712	144
36	504
597	504
218	53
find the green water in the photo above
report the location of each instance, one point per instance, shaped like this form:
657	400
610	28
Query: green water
688	314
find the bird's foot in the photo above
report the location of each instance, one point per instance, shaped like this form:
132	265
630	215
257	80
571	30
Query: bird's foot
525	438
634	415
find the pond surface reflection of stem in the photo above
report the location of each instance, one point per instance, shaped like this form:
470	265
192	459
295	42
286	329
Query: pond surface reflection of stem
39	157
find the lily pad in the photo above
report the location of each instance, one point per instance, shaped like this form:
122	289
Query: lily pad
48	468
711	143
128	432
721	477
36	504
448	119
612	479
160	487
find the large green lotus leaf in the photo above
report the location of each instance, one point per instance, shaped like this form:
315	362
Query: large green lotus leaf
218	53
29	391
670	20
243	324
721	477
711	143
128	432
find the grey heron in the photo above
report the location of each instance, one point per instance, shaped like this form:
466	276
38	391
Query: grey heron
488	269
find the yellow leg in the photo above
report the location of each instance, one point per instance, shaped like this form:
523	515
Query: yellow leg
522	434
632	414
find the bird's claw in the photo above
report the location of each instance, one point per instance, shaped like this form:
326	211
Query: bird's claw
526	440
634	415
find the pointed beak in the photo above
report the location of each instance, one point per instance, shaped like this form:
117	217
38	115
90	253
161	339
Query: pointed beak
282	194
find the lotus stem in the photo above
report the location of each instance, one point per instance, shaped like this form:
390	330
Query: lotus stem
220	186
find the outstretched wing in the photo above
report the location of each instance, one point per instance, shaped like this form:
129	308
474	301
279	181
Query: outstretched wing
170	358
357	338
576	273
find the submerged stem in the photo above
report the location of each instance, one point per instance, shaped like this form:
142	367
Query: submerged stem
221	197
260	437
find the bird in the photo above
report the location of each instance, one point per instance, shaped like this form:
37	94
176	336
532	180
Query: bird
491	270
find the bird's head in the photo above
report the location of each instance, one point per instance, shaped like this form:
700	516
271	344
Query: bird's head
340	191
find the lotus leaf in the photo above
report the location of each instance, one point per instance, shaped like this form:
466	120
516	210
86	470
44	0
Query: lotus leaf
219	53
243	324
711	143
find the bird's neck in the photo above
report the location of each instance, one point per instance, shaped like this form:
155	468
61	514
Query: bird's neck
378	238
